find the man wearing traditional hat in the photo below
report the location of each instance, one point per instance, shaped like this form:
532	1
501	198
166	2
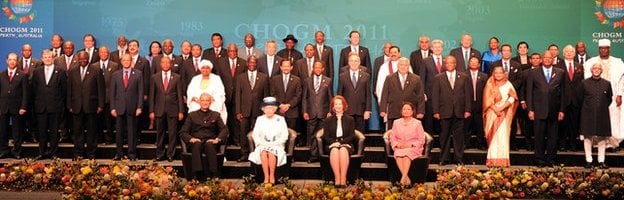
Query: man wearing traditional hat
612	71
290	52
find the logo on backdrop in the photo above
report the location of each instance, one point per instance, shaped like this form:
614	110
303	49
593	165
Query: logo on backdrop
610	12
18	10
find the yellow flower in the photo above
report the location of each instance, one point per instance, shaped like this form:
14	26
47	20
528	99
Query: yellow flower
86	170
192	193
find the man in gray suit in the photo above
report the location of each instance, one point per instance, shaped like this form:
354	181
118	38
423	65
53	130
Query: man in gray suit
317	93
401	86
126	105
249	49
354	85
108	67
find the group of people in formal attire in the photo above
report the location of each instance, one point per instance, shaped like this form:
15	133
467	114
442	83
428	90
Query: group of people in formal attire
216	96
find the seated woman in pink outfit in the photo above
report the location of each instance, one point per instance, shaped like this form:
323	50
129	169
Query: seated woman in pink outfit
407	140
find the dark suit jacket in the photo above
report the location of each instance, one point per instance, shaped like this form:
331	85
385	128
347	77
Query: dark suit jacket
50	97
481	81
294	55
576	57
292	95
14	93
168	101
247	100
428	71
176	63
203	126
317	104
451	103
85	96
126	99
344	69
359	97
546	99
262	66
224	71
459	56
417	61
34	64
114	56
330	126
60	62
143	65
365	59
96	56
574	89
107	73
393	96
301	68
515	72
210	54
327	57
187	70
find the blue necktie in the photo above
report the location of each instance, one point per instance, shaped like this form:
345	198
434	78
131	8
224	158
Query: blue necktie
548	76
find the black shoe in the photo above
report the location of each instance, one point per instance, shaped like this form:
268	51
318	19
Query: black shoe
442	163
17	157
243	159
602	165
6	155
170	159
117	157
161	158
541	164
313	160
588	165
132	158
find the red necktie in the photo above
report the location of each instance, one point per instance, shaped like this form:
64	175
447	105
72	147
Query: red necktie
26	67
570	71
438	65
125	80
195	64
232	67
11	77
390	67
166	81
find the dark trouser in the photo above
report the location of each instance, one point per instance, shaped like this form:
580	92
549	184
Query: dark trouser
170	125
48	132
234	127
291	123
246	125
314	125
569	131
17	128
452	127
108	126
430	124
527	127
360	124
81	122
474	126
390	122
66	125
546	132
207	148
126	126
30	123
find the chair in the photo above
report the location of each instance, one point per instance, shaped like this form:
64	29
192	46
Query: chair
419	166
281	171
187	160
355	160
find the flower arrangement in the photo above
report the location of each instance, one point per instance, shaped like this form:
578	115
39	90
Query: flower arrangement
120	180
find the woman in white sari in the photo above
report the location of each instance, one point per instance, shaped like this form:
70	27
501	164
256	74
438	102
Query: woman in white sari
499	108
207	82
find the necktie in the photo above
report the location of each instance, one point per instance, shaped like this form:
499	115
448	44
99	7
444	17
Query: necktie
11	76
310	66
285	83
402	81
506	67
570	70
47	75
67	61
474	86
466	60
125	80
216	53
452	80
582	60
548	76
103	66
232	68
56	53
252	80
26	65
425	54
195	64
248	52
353	79
320	51
438	65
82	73
390	67
317	84
166	81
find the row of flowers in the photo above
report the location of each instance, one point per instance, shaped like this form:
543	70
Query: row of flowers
90	180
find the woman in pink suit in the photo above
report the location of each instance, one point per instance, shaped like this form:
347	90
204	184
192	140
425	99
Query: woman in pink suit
407	140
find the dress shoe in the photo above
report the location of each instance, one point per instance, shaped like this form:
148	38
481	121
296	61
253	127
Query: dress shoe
588	165
161	158
17	157
170	159
117	157
442	163
132	158
313	160
242	159
602	165
5	155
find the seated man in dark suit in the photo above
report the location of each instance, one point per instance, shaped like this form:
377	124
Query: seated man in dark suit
203	130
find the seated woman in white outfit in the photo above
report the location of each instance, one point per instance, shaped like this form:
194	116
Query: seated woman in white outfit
270	134
206	82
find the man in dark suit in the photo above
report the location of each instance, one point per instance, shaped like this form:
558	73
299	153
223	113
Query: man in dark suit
354	86
107	67
354	46
227	68
380	61
417	58
249	47
167	51
85	99
216	52
49	92
431	67
581	53
536	62
190	67
317	94
126	104
399	87
166	108
286	88
88	40
270	63
545	102
465	52
513	70
304	66
13	104
289	52
249	90
27	63
452	103
142	64
569	131
122	48
57	45
324	53
67	60
474	125
554	50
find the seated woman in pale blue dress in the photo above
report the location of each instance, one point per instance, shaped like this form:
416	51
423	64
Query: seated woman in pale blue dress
270	135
